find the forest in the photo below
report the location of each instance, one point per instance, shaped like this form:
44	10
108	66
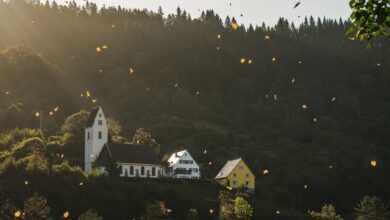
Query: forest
305	102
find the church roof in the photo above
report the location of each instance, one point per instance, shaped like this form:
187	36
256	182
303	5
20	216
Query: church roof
129	153
92	117
227	169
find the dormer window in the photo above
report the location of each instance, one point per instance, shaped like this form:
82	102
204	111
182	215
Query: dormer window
100	122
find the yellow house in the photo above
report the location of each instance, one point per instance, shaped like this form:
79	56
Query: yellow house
236	174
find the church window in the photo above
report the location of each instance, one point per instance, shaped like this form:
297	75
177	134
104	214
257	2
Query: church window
100	135
131	170
153	171
100	122
142	171
100	115
89	135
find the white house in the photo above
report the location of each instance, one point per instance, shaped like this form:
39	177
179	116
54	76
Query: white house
131	160
182	165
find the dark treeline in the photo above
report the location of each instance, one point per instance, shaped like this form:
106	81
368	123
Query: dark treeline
307	103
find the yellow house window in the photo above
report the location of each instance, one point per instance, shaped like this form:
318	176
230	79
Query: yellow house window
234	183
240	167
234	175
247	175
247	183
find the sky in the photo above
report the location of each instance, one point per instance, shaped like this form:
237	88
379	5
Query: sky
254	11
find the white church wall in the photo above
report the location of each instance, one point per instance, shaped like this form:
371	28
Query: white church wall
135	170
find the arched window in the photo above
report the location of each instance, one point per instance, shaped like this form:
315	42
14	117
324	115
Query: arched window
142	171
121	169
131	170
153	171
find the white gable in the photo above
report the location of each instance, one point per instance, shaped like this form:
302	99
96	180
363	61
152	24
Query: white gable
182	165
183	155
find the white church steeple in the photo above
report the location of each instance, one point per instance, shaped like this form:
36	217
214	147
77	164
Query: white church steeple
96	136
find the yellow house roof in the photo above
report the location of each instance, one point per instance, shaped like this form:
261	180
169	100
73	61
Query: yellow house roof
228	168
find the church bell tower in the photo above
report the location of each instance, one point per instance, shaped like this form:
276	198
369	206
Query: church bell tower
96	136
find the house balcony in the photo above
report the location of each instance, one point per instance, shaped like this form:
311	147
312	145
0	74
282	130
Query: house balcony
182	172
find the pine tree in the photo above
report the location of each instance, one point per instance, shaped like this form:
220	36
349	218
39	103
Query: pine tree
371	208
90	215
328	212
192	214
242	209
36	208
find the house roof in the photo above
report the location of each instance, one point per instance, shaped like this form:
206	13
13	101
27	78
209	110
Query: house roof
129	153
92	117
175	157
180	153
227	169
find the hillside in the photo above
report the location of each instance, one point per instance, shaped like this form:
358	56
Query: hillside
301	100
28	84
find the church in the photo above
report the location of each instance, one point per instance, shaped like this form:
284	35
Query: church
131	160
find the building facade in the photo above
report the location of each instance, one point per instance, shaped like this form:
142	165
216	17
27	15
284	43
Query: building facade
236	174
182	165
141	170
128	160
131	160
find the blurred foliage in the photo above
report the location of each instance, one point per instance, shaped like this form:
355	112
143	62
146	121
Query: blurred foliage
371	18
